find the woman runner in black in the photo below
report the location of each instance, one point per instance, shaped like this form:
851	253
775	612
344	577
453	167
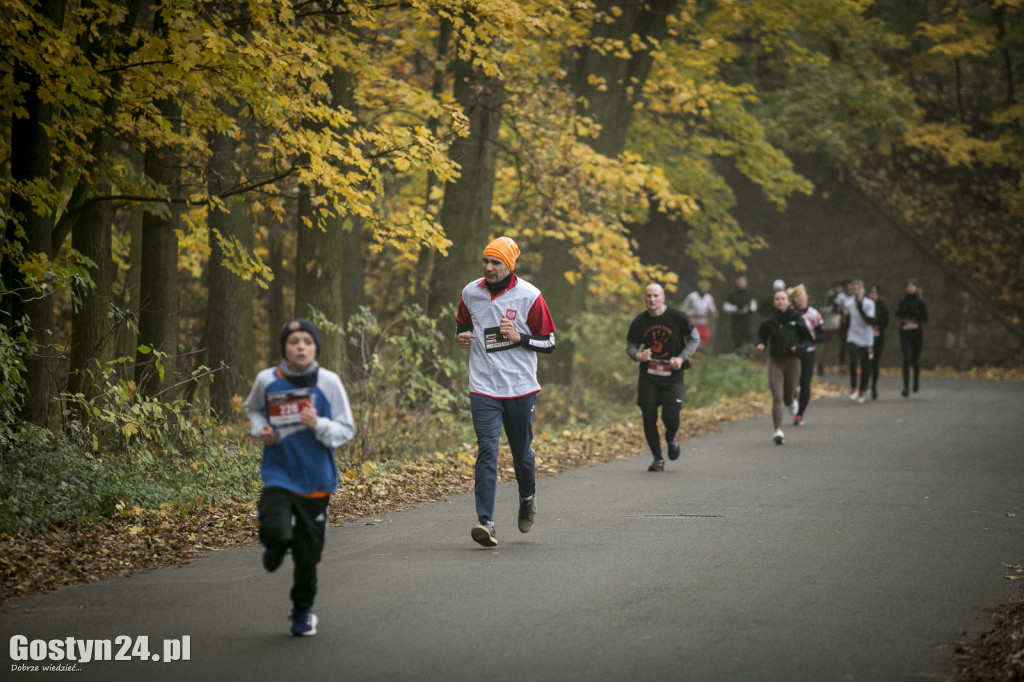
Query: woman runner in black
912	314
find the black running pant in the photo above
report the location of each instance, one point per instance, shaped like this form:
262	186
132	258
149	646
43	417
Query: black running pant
666	393
806	375
859	357
910	346
289	521
876	362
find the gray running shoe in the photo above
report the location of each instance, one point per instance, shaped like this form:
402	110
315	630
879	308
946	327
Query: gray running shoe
527	513
484	534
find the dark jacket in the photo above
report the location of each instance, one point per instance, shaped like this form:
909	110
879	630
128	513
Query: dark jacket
912	309
881	316
783	331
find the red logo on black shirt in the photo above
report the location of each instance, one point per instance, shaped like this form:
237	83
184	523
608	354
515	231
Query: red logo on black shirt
656	338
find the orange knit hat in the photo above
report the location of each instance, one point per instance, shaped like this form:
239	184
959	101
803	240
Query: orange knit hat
503	249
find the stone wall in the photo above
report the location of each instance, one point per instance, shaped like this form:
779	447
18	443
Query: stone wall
839	233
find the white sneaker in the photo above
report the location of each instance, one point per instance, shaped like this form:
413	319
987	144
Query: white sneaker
860	398
795	407
777	437
853	394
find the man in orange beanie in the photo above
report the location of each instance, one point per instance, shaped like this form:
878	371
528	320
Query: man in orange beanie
505	250
504	322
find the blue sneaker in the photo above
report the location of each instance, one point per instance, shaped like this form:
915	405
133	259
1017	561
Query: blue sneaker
303	623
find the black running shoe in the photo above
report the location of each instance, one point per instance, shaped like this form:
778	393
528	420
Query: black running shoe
657	465
272	559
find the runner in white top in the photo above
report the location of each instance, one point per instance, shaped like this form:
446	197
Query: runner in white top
699	306
503	322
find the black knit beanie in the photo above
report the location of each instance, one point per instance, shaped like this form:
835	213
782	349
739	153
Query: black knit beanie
300	325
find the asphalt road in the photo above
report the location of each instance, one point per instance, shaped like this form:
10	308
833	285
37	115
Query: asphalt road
862	549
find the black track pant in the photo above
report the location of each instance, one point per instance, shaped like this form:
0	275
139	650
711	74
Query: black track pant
910	346
860	358
666	393
876	362
288	521
806	376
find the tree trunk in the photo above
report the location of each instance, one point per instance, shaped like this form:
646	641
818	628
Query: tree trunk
221	323
352	288
276	316
466	212
29	162
564	300
127	339
428	258
223	327
612	107
158	296
90	216
350	235
318	277
158	285
92	335
245	349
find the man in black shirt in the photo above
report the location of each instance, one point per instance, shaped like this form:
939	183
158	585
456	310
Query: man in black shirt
741	306
661	339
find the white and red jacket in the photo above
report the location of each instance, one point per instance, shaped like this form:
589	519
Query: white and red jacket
499	368
815	324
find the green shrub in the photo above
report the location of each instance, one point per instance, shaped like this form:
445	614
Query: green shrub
57	484
13	348
119	448
714	377
408	389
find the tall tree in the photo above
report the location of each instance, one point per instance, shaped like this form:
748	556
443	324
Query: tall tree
318	277
224	328
90	208
607	74
466	211
92	333
30	232
158	296
349	231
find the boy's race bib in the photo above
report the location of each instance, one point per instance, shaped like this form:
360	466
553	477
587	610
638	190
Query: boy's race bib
283	408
